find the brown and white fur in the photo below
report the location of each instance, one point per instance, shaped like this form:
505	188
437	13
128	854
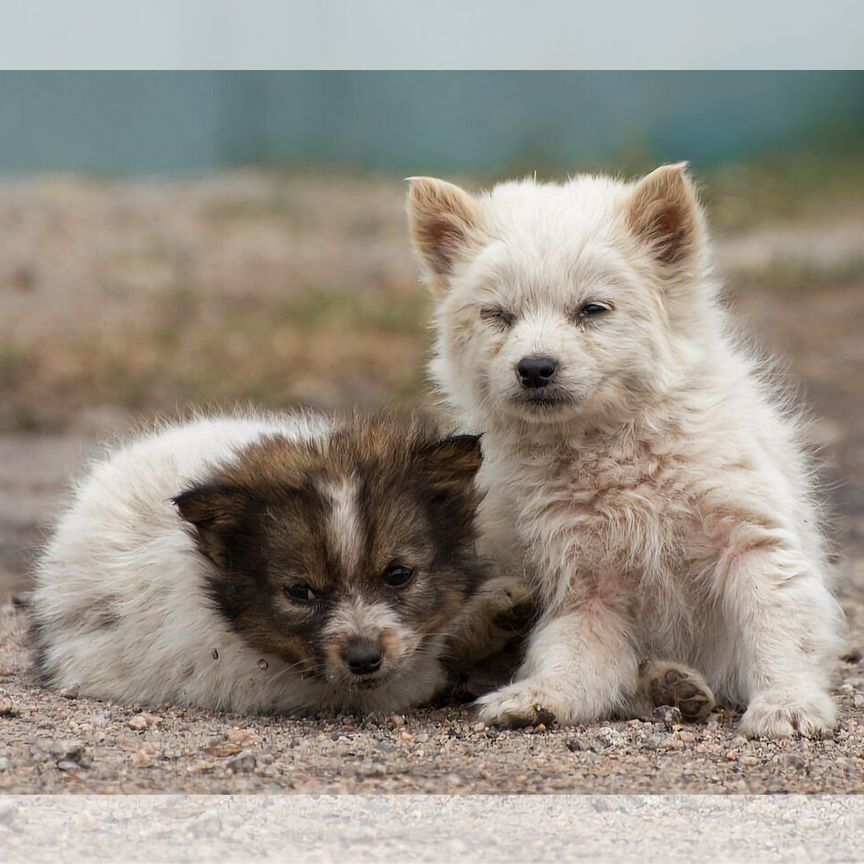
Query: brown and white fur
268	563
636	464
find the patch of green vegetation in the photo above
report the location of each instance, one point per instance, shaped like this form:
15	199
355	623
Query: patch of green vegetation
14	362
387	312
806	278
282	206
782	188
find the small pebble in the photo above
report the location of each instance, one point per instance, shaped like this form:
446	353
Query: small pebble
140	722
241	736
668	715
7	707
492	733
143	758
242	763
70	692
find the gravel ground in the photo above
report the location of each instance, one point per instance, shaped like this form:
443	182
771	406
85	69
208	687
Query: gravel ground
53	742
57	743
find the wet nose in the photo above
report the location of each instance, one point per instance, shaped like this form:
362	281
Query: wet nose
536	371
363	657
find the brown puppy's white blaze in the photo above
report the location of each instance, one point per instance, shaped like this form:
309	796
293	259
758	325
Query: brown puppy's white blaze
344	532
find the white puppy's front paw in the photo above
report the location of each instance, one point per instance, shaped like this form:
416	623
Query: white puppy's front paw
776	714
521	704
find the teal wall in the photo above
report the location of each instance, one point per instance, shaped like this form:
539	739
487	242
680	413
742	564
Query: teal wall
144	123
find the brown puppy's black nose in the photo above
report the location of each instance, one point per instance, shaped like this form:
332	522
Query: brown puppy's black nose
536	371
363	657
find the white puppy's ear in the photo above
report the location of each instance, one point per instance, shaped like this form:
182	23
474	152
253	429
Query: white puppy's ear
445	223
664	213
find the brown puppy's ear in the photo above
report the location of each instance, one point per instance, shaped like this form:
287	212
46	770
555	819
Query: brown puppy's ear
664	213
217	513
452	463
445	224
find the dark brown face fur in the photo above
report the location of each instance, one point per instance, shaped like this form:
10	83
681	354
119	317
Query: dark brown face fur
361	542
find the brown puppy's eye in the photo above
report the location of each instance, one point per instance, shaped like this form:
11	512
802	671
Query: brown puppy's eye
398	576
498	316
300	594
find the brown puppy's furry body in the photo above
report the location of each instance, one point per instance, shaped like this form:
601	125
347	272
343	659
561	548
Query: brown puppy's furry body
279	563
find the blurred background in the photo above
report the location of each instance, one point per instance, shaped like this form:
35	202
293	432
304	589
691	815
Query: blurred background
176	239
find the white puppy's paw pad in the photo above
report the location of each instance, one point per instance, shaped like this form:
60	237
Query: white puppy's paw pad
516	705
777	717
682	687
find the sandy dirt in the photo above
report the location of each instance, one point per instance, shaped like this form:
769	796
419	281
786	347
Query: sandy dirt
83	323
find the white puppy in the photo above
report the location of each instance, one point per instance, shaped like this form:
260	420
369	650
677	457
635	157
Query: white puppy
634	456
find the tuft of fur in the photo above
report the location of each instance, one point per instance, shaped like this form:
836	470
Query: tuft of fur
653	487
233	562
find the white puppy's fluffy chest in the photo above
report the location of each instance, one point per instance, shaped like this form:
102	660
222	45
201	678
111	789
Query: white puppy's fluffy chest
608	520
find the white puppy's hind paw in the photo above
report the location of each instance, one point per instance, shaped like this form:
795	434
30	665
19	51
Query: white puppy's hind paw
516	705
775	715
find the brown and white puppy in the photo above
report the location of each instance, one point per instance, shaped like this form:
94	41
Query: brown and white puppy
281	563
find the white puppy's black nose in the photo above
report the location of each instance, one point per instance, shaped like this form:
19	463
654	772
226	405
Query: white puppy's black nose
363	657
536	371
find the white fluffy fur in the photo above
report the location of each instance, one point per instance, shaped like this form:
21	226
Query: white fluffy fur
666	510
122	545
